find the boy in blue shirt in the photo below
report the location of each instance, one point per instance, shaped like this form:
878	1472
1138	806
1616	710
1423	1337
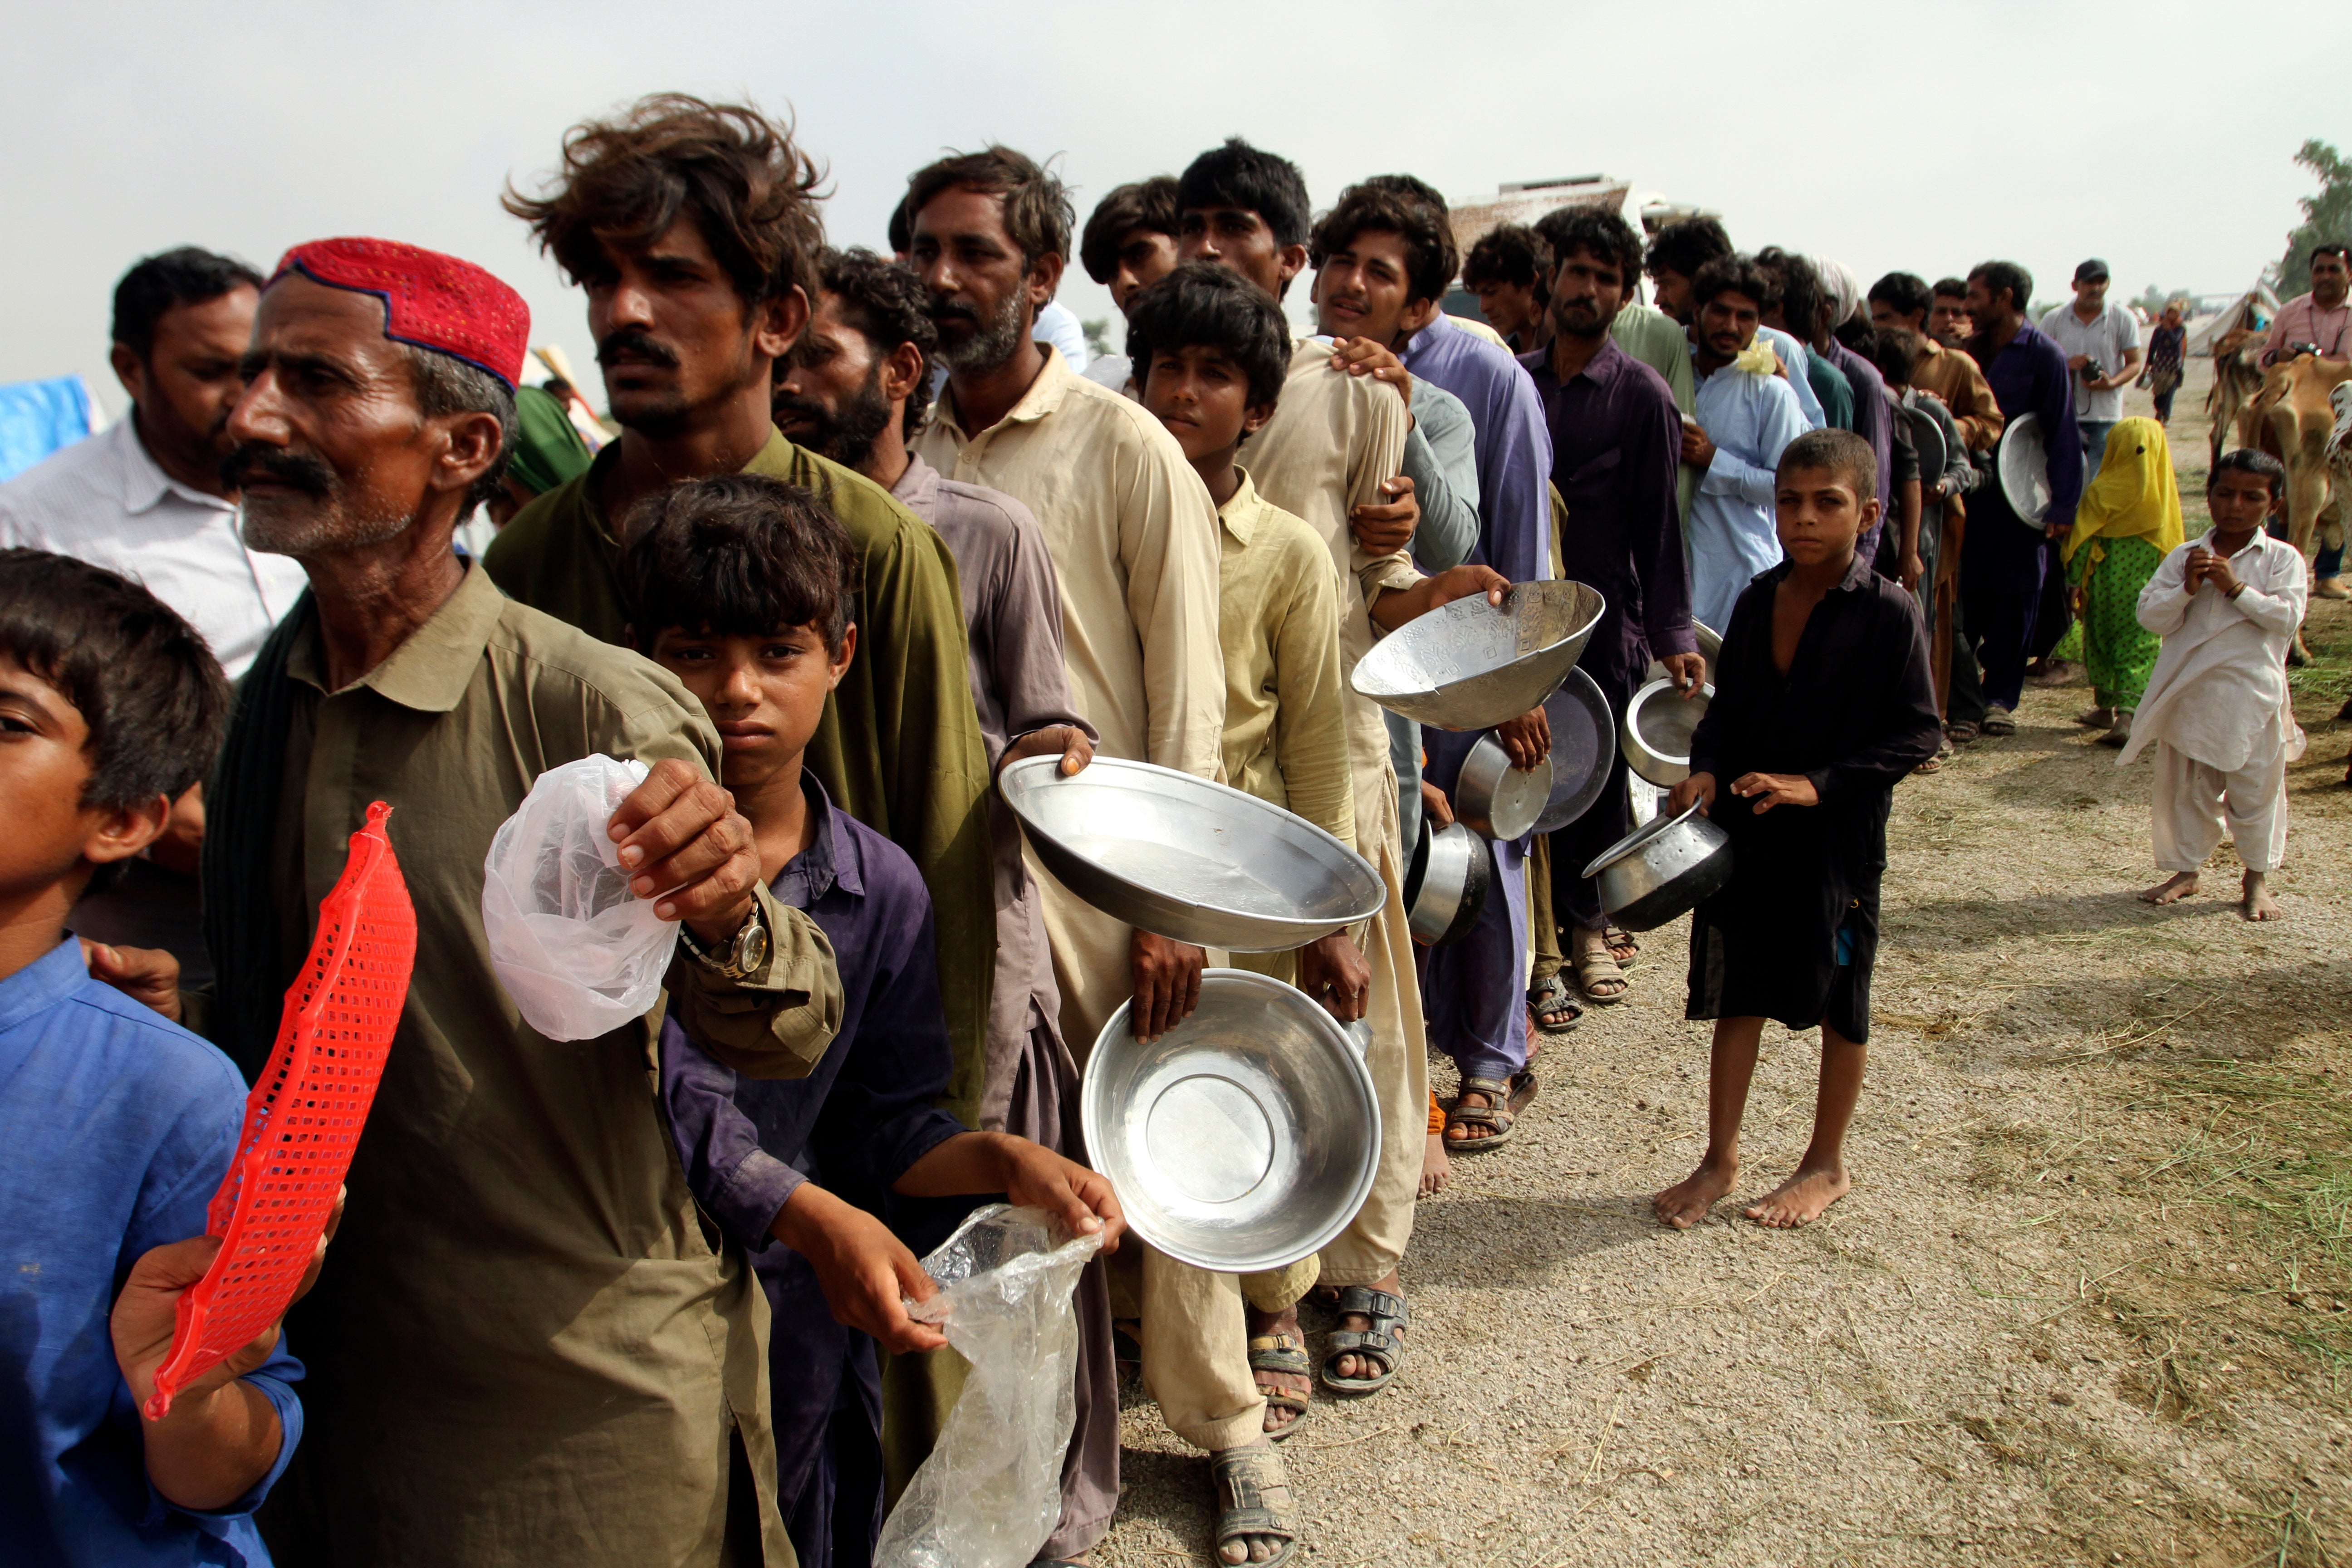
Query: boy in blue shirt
116	1124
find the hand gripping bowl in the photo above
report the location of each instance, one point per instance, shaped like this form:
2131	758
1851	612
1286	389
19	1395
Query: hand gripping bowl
2021	462
1663	870
1710	648
1659	723
1498	800
1583	746
1469	665
1245	1138
1188	859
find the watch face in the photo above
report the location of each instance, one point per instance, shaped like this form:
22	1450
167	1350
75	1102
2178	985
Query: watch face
752	949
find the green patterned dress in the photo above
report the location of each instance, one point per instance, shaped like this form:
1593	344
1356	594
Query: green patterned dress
2118	653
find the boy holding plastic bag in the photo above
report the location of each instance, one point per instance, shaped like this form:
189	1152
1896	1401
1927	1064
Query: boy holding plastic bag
743	587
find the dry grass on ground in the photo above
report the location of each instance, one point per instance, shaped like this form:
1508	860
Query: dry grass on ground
2086	1304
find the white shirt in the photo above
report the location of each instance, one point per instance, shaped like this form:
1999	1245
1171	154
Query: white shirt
104	500
1731	533
2219	691
2106	337
1058	324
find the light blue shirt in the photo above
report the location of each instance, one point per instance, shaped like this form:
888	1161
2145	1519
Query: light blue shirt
1751	417
1792	354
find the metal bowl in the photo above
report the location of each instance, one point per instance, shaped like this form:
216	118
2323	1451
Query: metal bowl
1498	800
1470	666
1663	870
1245	1138
1583	747
1188	859
1710	648
1659	723
2022	462
1445	888
1927	440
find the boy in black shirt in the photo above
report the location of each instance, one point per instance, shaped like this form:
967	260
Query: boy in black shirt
1823	701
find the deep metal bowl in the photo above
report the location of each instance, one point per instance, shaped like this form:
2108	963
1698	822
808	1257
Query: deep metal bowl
1663	870
1469	665
1659	723
1710	649
1498	800
1583	746
1188	859
1927	440
1245	1138
2021	462
1446	885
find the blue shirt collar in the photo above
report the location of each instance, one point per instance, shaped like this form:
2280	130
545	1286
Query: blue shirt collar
42	984
829	861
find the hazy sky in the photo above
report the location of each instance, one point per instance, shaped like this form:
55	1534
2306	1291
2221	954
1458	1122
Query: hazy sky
1884	135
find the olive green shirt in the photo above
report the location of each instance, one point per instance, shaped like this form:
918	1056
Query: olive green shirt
525	1347
899	747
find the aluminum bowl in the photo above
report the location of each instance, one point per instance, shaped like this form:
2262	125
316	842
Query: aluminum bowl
1498	800
1663	870
1445	888
1659	723
1188	859
1245	1138
1583	749
1710	648
2022	463
1470	666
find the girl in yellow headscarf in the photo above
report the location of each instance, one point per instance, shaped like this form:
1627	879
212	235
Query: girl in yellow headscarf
2128	522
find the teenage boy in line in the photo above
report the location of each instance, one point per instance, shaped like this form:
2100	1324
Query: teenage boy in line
1214	352
2217	708
118	1124
1330	456
744	588
1821	703
1129	244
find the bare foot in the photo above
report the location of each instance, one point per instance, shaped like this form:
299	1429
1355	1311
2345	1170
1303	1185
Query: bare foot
1686	1202
2172	890
1436	1170
2258	904
1801	1199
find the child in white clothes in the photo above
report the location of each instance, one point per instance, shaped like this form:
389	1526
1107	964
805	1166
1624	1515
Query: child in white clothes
2217	709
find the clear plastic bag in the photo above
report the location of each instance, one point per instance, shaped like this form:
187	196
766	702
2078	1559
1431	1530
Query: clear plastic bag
578	951
992	1490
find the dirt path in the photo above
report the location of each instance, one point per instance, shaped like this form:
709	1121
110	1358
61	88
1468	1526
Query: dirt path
2087	1302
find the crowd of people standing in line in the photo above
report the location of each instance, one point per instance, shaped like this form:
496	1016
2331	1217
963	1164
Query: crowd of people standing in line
874	528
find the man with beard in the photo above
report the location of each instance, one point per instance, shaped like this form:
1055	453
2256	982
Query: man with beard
146	499
690	225
1616	438
1133	536
1676	253
525	1350
1744	420
854	389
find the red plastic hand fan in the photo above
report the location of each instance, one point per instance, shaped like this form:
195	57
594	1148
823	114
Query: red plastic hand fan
302	1119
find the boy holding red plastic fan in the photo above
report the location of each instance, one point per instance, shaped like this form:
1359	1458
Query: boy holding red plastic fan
116	1124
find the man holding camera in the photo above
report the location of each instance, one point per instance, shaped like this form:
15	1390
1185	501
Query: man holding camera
2101	347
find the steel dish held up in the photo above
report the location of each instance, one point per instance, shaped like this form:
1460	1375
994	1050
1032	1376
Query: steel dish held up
1659	723
1469	665
1188	859
1245	1138
1710	649
1498	800
2023	463
1583	746
1445	888
1663	870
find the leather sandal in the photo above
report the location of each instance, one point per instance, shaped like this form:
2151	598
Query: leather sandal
1285	1353
1387	1314
1243	1478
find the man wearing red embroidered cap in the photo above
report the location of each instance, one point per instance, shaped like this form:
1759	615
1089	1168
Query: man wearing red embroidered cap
691	226
528	1351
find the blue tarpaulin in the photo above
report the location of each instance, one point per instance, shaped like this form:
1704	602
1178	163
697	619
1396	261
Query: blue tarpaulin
36	418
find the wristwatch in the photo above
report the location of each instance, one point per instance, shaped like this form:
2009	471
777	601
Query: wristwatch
739	959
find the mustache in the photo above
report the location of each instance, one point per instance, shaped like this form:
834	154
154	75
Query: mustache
638	342
305	471
808	408
943	309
